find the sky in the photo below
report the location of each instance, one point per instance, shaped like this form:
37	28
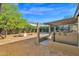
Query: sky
46	12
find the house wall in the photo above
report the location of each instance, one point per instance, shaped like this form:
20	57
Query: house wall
73	27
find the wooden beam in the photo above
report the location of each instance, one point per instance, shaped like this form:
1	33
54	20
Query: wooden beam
54	33
77	9
63	22
78	30
49	30
38	32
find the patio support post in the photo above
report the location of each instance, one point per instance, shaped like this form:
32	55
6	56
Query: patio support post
49	30
41	29
38	33
78	30
69	27
50	34
54	33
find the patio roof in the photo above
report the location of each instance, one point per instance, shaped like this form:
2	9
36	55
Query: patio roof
66	21
77	10
63	22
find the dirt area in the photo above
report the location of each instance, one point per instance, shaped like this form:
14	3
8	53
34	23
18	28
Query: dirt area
68	50
29	47
16	37
26	48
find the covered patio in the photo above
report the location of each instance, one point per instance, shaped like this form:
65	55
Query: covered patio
70	36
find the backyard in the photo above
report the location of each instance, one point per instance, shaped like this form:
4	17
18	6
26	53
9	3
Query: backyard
21	34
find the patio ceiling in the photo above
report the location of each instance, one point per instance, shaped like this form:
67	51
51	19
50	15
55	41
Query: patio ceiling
63	22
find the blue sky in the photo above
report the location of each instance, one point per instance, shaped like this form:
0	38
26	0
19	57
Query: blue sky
46	12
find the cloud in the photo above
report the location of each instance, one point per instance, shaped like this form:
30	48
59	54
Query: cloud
31	12
41	9
36	10
51	11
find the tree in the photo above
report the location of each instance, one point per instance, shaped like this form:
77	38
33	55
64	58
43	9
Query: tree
10	18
